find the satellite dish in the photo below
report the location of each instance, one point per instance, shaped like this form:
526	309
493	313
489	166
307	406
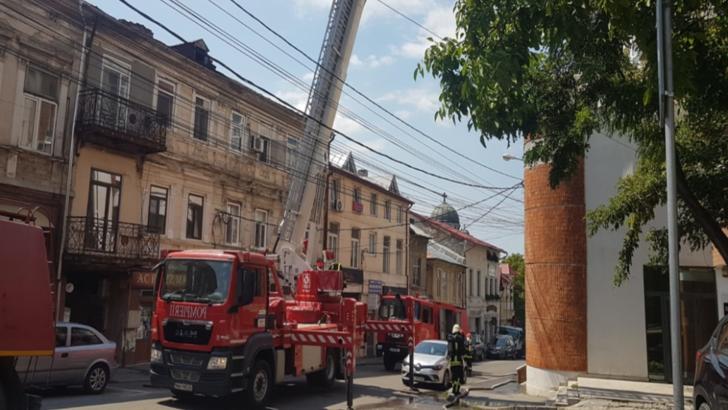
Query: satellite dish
69	287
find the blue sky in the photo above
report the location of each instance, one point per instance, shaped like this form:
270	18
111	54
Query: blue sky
386	53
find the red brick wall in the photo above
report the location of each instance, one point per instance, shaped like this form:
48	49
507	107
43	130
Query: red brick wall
555	253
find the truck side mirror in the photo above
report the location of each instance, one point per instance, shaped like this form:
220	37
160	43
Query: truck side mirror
246	286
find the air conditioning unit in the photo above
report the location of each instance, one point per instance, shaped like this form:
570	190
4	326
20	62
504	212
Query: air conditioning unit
258	145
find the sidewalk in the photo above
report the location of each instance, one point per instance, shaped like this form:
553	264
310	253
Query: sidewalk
610	394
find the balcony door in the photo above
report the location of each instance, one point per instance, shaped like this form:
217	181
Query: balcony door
102	219
115	82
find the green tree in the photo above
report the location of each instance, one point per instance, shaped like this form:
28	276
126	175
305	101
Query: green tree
517	263
561	71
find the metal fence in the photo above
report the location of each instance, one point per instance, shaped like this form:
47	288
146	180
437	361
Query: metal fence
102	237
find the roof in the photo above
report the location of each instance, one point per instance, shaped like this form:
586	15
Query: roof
419	231
437	251
445	213
346	164
454	232
505	269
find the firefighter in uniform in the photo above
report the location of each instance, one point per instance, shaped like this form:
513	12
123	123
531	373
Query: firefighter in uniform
456	354
469	354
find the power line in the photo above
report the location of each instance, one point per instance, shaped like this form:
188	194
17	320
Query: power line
410	19
280	36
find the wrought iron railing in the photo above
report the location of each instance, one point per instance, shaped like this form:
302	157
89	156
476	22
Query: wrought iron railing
108	238
125	122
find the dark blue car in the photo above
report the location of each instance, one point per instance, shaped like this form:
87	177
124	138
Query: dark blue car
711	371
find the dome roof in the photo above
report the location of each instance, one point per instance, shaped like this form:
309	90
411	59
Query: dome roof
445	213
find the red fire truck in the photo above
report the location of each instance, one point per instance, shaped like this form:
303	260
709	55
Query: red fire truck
399	315
26	306
221	325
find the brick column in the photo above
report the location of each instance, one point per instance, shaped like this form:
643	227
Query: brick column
555	282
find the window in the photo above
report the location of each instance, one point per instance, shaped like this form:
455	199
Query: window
399	256
157	217
232	225
237	130
400	215
416	272
722	345
292	152
471	279
372	242
103	211
355	248
165	102
261	144
195	205
61	336
386	243
83	337
356	204
334	190
426	315
39	111
333	239
373	204
388	210
202	118
261	228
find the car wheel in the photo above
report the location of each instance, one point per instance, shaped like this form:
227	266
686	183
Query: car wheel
183	396
259	384
97	379
327	376
389	362
704	406
446	380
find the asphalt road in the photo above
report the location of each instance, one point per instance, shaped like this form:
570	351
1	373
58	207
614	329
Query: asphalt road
374	388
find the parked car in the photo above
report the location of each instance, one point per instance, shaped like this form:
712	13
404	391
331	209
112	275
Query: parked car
518	337
83	356
503	348
710	389
479	348
431	366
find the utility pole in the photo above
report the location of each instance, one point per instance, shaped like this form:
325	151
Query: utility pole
667	119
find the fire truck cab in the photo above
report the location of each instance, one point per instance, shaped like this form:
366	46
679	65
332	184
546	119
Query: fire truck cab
405	320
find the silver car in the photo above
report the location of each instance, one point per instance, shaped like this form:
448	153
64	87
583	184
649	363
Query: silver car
431	364
83	356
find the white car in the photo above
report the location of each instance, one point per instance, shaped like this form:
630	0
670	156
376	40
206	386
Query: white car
431	366
83	356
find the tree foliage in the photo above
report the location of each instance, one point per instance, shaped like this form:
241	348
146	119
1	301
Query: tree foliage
561	71
518	264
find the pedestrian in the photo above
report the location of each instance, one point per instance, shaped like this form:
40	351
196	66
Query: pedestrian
469	354
456	354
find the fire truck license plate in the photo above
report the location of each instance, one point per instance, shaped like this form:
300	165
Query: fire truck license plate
394	349
183	386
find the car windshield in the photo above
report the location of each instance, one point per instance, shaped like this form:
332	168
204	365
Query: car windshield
501	342
434	349
392	309
509	331
202	281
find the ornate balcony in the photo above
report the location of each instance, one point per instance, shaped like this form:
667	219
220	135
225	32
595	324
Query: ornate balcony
114	122
95	242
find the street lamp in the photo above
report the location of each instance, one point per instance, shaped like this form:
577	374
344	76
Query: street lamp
509	157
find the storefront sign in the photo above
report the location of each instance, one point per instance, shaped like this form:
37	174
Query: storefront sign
143	280
375	286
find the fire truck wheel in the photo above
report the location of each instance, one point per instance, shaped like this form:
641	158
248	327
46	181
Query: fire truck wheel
259	384
326	377
389	362
96	379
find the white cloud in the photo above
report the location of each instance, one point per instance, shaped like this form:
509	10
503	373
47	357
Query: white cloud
440	20
296	98
308	77
421	99
302	6
417	8
347	125
370	61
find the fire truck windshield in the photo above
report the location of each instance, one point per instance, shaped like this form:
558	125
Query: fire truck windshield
392	309
196	281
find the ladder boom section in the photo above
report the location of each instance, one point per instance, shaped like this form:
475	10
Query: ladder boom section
309	165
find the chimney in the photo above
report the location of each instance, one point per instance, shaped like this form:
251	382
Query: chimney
196	51
363	173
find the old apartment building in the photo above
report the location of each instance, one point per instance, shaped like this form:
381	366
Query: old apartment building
481	287
169	153
38	79
368	231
